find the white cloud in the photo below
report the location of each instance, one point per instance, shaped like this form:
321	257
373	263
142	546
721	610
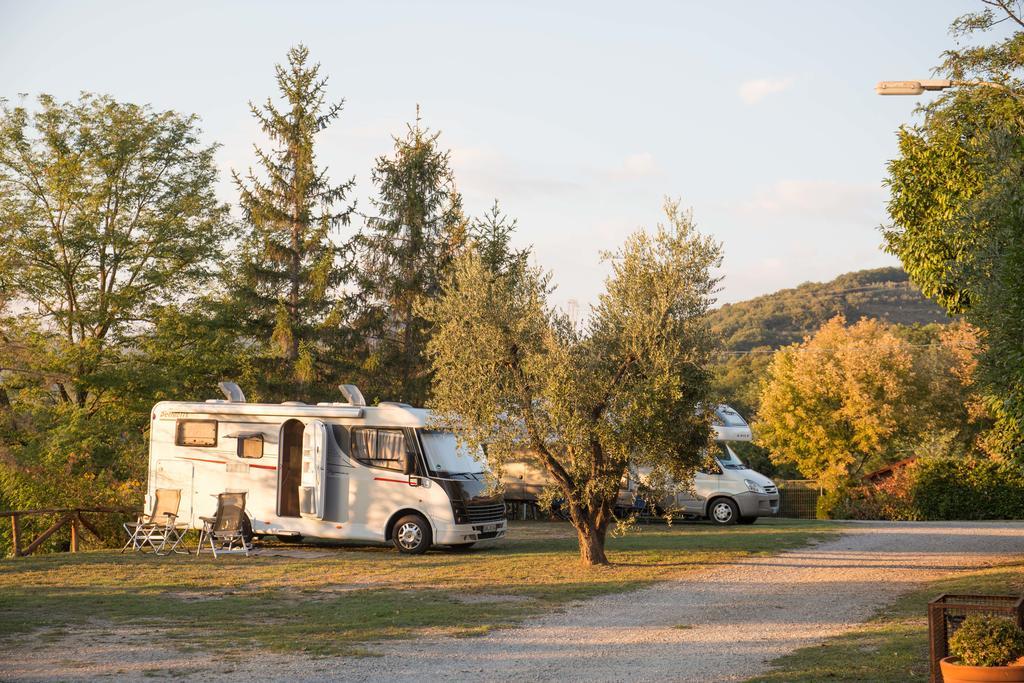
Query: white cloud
752	92
634	167
818	198
489	173
639	165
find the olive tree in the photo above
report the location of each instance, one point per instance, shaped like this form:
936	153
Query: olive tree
514	375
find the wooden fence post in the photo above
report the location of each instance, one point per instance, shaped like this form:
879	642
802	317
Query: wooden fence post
16	534
74	535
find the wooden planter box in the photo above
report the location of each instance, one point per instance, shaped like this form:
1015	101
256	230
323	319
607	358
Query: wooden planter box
947	612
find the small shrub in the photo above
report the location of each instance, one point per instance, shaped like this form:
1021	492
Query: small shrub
987	641
888	499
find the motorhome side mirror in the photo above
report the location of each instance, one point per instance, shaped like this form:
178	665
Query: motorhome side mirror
408	463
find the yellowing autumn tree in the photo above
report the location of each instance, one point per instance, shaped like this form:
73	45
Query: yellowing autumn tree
834	405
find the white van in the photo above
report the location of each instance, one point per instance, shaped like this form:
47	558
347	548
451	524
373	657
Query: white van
729	494
339	471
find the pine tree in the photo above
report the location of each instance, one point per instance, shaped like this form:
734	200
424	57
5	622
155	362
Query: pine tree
404	254
491	236
286	285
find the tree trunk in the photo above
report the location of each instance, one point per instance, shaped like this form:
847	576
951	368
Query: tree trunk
591	540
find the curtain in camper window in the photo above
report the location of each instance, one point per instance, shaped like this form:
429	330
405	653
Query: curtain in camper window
365	444
380	448
391	446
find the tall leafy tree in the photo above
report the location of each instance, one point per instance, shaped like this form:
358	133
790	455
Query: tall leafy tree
957	201
286	285
835	405
404	255
109	222
513	375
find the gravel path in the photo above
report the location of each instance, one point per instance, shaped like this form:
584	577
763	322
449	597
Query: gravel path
723	624
720	624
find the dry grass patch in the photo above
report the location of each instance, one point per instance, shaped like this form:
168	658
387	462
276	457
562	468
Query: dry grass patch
334	604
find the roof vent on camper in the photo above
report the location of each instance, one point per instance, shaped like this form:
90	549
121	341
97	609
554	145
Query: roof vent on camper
232	392
352	394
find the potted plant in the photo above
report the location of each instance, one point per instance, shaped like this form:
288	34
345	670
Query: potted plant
985	648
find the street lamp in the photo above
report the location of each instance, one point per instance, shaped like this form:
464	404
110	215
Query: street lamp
918	87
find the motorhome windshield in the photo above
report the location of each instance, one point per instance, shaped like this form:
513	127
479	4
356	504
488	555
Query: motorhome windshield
728	417
728	459
446	457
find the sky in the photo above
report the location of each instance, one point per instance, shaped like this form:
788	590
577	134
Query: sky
579	117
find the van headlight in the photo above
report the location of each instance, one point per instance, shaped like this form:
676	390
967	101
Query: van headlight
754	487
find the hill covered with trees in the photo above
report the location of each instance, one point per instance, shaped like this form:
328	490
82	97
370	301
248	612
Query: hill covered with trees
751	331
789	315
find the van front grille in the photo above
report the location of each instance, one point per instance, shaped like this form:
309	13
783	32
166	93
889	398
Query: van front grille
485	512
770	489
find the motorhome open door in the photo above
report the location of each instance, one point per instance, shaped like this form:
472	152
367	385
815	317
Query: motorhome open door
313	484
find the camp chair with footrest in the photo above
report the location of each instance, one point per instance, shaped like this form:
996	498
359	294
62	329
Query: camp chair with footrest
228	529
160	527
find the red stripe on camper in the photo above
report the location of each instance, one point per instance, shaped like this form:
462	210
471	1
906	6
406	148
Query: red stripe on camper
396	481
225	462
215	462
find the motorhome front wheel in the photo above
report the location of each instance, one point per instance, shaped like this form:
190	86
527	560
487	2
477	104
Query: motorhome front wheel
412	535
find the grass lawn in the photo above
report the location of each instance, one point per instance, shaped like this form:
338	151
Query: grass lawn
334	604
893	646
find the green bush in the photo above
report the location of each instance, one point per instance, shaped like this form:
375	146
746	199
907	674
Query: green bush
968	488
984	640
935	488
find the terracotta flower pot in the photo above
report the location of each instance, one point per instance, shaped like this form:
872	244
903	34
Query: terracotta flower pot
954	672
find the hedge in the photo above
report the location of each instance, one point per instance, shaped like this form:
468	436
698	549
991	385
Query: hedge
935	489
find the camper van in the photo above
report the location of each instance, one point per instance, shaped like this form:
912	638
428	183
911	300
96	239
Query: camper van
332	471
730	493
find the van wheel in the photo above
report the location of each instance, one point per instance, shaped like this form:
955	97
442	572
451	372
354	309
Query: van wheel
411	535
723	511
461	547
748	520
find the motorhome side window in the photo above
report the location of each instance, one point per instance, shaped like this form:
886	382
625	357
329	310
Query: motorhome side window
250	446
202	433
380	448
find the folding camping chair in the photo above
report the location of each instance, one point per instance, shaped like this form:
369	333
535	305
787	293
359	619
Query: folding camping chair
227	528
159	527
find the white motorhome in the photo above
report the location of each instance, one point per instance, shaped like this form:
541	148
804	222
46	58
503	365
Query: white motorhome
731	493
338	471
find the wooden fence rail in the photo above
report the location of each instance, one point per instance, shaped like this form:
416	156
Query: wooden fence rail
75	517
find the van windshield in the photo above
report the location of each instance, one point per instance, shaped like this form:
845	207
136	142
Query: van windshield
447	458
728	459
